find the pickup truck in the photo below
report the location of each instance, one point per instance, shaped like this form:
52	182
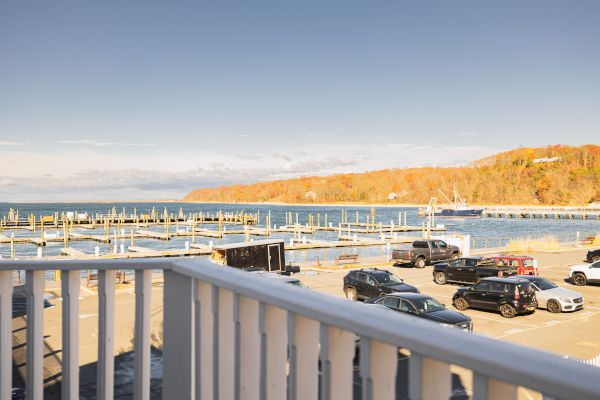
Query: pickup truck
469	270
424	252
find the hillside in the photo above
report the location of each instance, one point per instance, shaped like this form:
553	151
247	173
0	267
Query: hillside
553	175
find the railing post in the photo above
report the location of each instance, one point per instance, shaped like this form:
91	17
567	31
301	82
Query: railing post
106	332
226	346
34	287
436	379
274	353
498	390
480	386
305	360
249	365
365	368
70	281
204	346
143	290
378	364
415	378
6	291
337	349
178	347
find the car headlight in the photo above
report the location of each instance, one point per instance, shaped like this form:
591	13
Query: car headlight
447	325
566	299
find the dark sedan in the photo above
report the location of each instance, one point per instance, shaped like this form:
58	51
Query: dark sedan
423	306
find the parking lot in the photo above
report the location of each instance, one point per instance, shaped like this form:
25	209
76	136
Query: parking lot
572	334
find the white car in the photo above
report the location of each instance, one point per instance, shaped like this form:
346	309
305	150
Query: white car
553	297
581	274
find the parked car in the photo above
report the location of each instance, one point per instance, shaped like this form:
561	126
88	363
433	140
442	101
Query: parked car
423	252
372	282
469	270
553	297
593	255
423	306
525	265
279	278
582	274
509	296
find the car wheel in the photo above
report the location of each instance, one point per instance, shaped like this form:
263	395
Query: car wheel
507	311
440	278
420	263
595	258
351	294
461	303
579	279
554	306
454	256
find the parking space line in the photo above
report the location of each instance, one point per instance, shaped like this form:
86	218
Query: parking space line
558	323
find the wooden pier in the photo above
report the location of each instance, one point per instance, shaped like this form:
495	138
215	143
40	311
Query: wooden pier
542	212
125	229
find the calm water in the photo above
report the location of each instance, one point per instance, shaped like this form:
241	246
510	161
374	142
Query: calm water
496	231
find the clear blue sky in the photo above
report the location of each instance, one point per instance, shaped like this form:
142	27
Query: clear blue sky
143	99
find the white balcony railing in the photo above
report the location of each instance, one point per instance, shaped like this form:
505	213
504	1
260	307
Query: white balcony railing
231	335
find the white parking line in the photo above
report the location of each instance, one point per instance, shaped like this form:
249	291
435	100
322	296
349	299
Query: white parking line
583	316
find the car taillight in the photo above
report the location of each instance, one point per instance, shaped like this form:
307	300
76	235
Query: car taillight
517	295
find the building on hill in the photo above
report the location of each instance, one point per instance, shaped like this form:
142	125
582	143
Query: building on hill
392	196
310	195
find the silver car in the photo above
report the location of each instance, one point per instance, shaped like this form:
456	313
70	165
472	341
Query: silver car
553	297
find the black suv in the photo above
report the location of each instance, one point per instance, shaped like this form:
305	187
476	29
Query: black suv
509	296
421	305
593	255
372	282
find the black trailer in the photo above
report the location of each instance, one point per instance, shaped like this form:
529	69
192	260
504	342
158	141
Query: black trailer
268	255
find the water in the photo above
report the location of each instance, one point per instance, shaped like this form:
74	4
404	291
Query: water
484	231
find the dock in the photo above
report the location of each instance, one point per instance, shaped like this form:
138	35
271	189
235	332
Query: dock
154	235
542	212
76	254
125	228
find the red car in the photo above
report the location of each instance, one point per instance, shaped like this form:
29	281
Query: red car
525	265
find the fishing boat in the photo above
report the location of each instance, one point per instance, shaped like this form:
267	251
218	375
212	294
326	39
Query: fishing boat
457	208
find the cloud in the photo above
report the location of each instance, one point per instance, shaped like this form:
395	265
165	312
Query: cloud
8	143
104	144
75	174
243	135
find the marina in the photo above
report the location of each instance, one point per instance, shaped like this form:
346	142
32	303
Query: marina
311	233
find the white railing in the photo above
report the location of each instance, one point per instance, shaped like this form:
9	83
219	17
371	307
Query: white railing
231	335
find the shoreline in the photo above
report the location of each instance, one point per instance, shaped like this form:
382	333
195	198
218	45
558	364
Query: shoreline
337	204
388	205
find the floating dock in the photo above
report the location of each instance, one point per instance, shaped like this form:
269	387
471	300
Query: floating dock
542	212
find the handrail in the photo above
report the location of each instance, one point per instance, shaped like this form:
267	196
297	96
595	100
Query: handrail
515	364
512	363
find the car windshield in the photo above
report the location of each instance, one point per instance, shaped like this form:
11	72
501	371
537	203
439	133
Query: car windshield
544	284
427	305
388	279
528	262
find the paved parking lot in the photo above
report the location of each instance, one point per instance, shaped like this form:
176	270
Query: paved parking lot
574	334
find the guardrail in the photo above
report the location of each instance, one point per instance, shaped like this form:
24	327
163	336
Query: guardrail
231	335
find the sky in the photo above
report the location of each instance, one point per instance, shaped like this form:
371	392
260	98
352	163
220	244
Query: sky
145	100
